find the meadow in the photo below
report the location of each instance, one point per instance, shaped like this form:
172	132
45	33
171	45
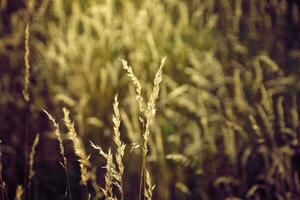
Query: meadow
152	99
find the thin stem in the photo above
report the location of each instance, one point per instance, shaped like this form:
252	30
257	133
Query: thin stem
144	170
142	178
68	182
27	108
27	116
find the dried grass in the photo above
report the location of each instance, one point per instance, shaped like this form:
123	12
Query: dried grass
114	165
78	147
19	192
31	159
62	151
27	64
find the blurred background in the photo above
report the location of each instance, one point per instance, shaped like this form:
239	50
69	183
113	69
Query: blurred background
227	124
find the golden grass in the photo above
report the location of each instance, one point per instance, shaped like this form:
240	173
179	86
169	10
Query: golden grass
148	189
120	147
137	85
19	192
78	147
110	172
224	105
27	64
31	159
148	112
62	151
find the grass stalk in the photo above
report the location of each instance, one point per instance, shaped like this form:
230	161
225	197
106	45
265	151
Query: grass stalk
27	106
62	151
149	112
31	162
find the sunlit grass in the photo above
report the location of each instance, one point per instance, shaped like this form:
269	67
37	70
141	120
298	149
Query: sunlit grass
223	120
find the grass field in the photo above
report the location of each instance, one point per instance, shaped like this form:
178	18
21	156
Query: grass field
152	99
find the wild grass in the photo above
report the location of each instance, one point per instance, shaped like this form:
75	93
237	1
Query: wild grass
120	147
148	189
114	171
148	111
64	164
31	159
19	192
78	147
27	64
84	160
114	166
228	108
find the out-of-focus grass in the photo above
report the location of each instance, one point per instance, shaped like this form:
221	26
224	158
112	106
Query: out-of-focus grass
227	121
